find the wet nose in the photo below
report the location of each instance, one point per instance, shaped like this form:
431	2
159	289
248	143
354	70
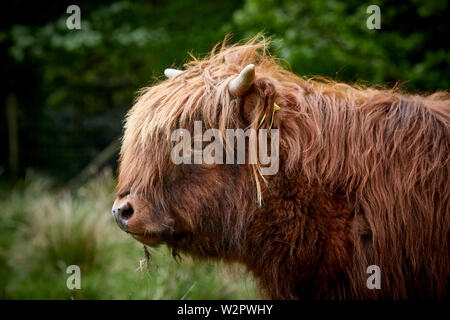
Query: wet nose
122	213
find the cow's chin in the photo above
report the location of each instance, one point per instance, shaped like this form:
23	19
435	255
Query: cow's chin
148	239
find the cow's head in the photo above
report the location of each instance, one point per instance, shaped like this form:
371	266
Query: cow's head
195	206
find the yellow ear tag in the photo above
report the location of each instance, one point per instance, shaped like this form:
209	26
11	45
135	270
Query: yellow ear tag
262	119
275	108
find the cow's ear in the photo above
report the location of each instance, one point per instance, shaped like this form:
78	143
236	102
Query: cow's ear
258	104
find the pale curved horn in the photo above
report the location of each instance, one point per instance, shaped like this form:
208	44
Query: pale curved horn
240	85
170	73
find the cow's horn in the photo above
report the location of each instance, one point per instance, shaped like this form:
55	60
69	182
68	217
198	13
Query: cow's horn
170	73
240	85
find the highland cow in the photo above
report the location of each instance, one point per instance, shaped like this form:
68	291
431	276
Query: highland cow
363	179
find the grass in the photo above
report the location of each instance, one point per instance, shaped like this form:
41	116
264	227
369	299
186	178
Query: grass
44	229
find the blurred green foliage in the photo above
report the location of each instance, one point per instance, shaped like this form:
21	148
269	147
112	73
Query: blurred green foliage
74	86
331	38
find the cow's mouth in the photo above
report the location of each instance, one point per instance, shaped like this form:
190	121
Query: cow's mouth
135	222
150	239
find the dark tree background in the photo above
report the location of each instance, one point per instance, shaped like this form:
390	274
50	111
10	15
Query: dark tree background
68	90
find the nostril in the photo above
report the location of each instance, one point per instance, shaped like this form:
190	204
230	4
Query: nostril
123	212
127	212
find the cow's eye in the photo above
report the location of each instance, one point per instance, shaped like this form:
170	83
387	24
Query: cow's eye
124	193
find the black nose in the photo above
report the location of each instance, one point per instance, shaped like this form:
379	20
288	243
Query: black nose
122	213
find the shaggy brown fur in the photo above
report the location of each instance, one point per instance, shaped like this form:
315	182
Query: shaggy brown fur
363	180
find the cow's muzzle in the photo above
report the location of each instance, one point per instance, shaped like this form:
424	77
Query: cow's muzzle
122	212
